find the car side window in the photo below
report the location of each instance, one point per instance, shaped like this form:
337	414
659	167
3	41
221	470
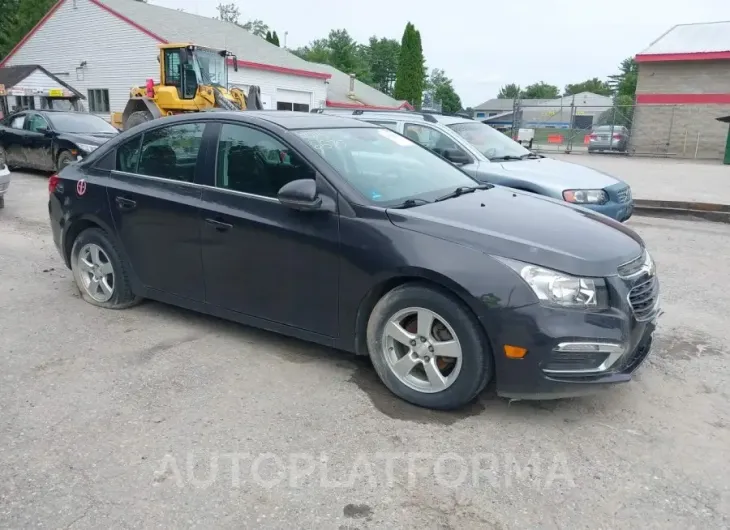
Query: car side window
430	138
171	152
128	155
36	123
18	122
254	162
389	124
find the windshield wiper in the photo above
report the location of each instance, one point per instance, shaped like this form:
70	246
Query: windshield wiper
461	190
505	157
530	155
410	203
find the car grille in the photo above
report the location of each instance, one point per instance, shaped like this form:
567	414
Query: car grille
643	298
624	195
632	267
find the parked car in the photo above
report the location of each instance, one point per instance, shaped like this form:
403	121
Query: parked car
50	140
4	182
347	234
609	138
491	156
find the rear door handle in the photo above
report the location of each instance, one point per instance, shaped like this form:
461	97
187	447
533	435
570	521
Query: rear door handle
125	204
219	225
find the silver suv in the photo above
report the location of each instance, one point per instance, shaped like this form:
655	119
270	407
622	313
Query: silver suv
490	156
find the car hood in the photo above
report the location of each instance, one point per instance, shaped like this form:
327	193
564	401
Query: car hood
534	229
92	139
548	173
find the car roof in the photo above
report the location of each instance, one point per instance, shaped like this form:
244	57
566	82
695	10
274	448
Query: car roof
400	115
301	120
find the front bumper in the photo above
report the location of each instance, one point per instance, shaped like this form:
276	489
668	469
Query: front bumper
4	179
546	372
615	210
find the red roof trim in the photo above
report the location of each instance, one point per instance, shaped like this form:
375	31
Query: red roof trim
683	99
38	26
128	21
281	69
667	57
340	105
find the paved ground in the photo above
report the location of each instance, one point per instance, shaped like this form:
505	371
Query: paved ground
132	419
663	179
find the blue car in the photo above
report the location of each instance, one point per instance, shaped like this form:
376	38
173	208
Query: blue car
490	156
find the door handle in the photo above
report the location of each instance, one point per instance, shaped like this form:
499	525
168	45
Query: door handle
219	225
125	204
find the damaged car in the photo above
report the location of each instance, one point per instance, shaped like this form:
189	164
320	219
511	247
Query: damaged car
50	140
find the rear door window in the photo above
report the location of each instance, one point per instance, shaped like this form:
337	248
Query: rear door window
389	124
171	152
128	155
18	122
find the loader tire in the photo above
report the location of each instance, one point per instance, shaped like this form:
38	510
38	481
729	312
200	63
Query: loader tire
136	118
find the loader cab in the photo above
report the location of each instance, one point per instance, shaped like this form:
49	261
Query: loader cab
186	67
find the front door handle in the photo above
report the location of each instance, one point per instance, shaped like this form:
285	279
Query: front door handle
219	225
125	204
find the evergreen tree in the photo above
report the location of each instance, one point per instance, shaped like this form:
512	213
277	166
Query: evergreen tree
275	39
410	77
268	37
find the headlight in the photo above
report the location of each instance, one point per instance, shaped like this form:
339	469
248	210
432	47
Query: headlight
560	289
87	148
585	196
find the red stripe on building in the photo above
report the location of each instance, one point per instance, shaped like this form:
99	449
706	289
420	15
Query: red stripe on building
668	57
32	32
683	99
281	69
354	106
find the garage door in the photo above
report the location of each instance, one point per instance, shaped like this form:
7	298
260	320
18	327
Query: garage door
293	100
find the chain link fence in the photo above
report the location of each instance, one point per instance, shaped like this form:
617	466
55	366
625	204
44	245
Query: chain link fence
677	131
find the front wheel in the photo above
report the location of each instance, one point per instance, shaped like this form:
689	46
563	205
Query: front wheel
100	273
428	348
64	159
137	118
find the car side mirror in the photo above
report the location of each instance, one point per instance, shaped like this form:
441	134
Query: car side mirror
456	156
300	195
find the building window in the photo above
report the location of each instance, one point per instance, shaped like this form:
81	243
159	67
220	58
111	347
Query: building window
24	102
299	107
99	100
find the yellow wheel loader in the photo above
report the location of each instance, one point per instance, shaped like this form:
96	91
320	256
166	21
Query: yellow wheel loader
192	79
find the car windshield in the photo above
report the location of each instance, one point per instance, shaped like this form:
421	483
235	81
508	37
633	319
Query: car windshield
211	67
385	167
80	123
490	142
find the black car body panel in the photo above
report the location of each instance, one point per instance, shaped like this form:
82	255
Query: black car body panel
31	149
316	275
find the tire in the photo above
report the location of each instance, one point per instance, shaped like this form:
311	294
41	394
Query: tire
108	263
461	379
136	118
2	202
3	156
64	159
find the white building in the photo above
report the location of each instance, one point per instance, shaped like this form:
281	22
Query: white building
102	48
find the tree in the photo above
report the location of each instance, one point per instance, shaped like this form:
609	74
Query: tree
443	91
595	85
257	27
268	36
409	81
540	90
510	91
228	12
340	50
275	39
17	18
382	56
624	83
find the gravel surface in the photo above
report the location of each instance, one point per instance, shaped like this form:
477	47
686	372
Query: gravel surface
159	417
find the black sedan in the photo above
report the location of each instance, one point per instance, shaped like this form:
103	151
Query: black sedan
50	140
350	235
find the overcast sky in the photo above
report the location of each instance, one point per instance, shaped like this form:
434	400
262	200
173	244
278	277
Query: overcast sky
485	44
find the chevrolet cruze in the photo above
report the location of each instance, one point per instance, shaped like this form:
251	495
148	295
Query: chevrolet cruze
350	235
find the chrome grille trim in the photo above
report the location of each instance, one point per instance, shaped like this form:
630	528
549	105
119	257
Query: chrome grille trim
624	195
644	298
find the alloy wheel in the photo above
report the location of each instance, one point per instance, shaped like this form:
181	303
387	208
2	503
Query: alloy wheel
422	350
96	272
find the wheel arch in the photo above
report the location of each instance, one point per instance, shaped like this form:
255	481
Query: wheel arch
77	225
140	104
420	276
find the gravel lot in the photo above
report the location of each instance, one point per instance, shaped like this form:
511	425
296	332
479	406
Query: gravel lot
160	417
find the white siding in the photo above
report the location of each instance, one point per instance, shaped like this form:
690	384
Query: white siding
271	82
118	56
38	80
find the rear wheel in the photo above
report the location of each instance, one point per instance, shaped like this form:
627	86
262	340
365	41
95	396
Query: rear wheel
100	272
64	159
136	118
3	157
428	348
2	202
